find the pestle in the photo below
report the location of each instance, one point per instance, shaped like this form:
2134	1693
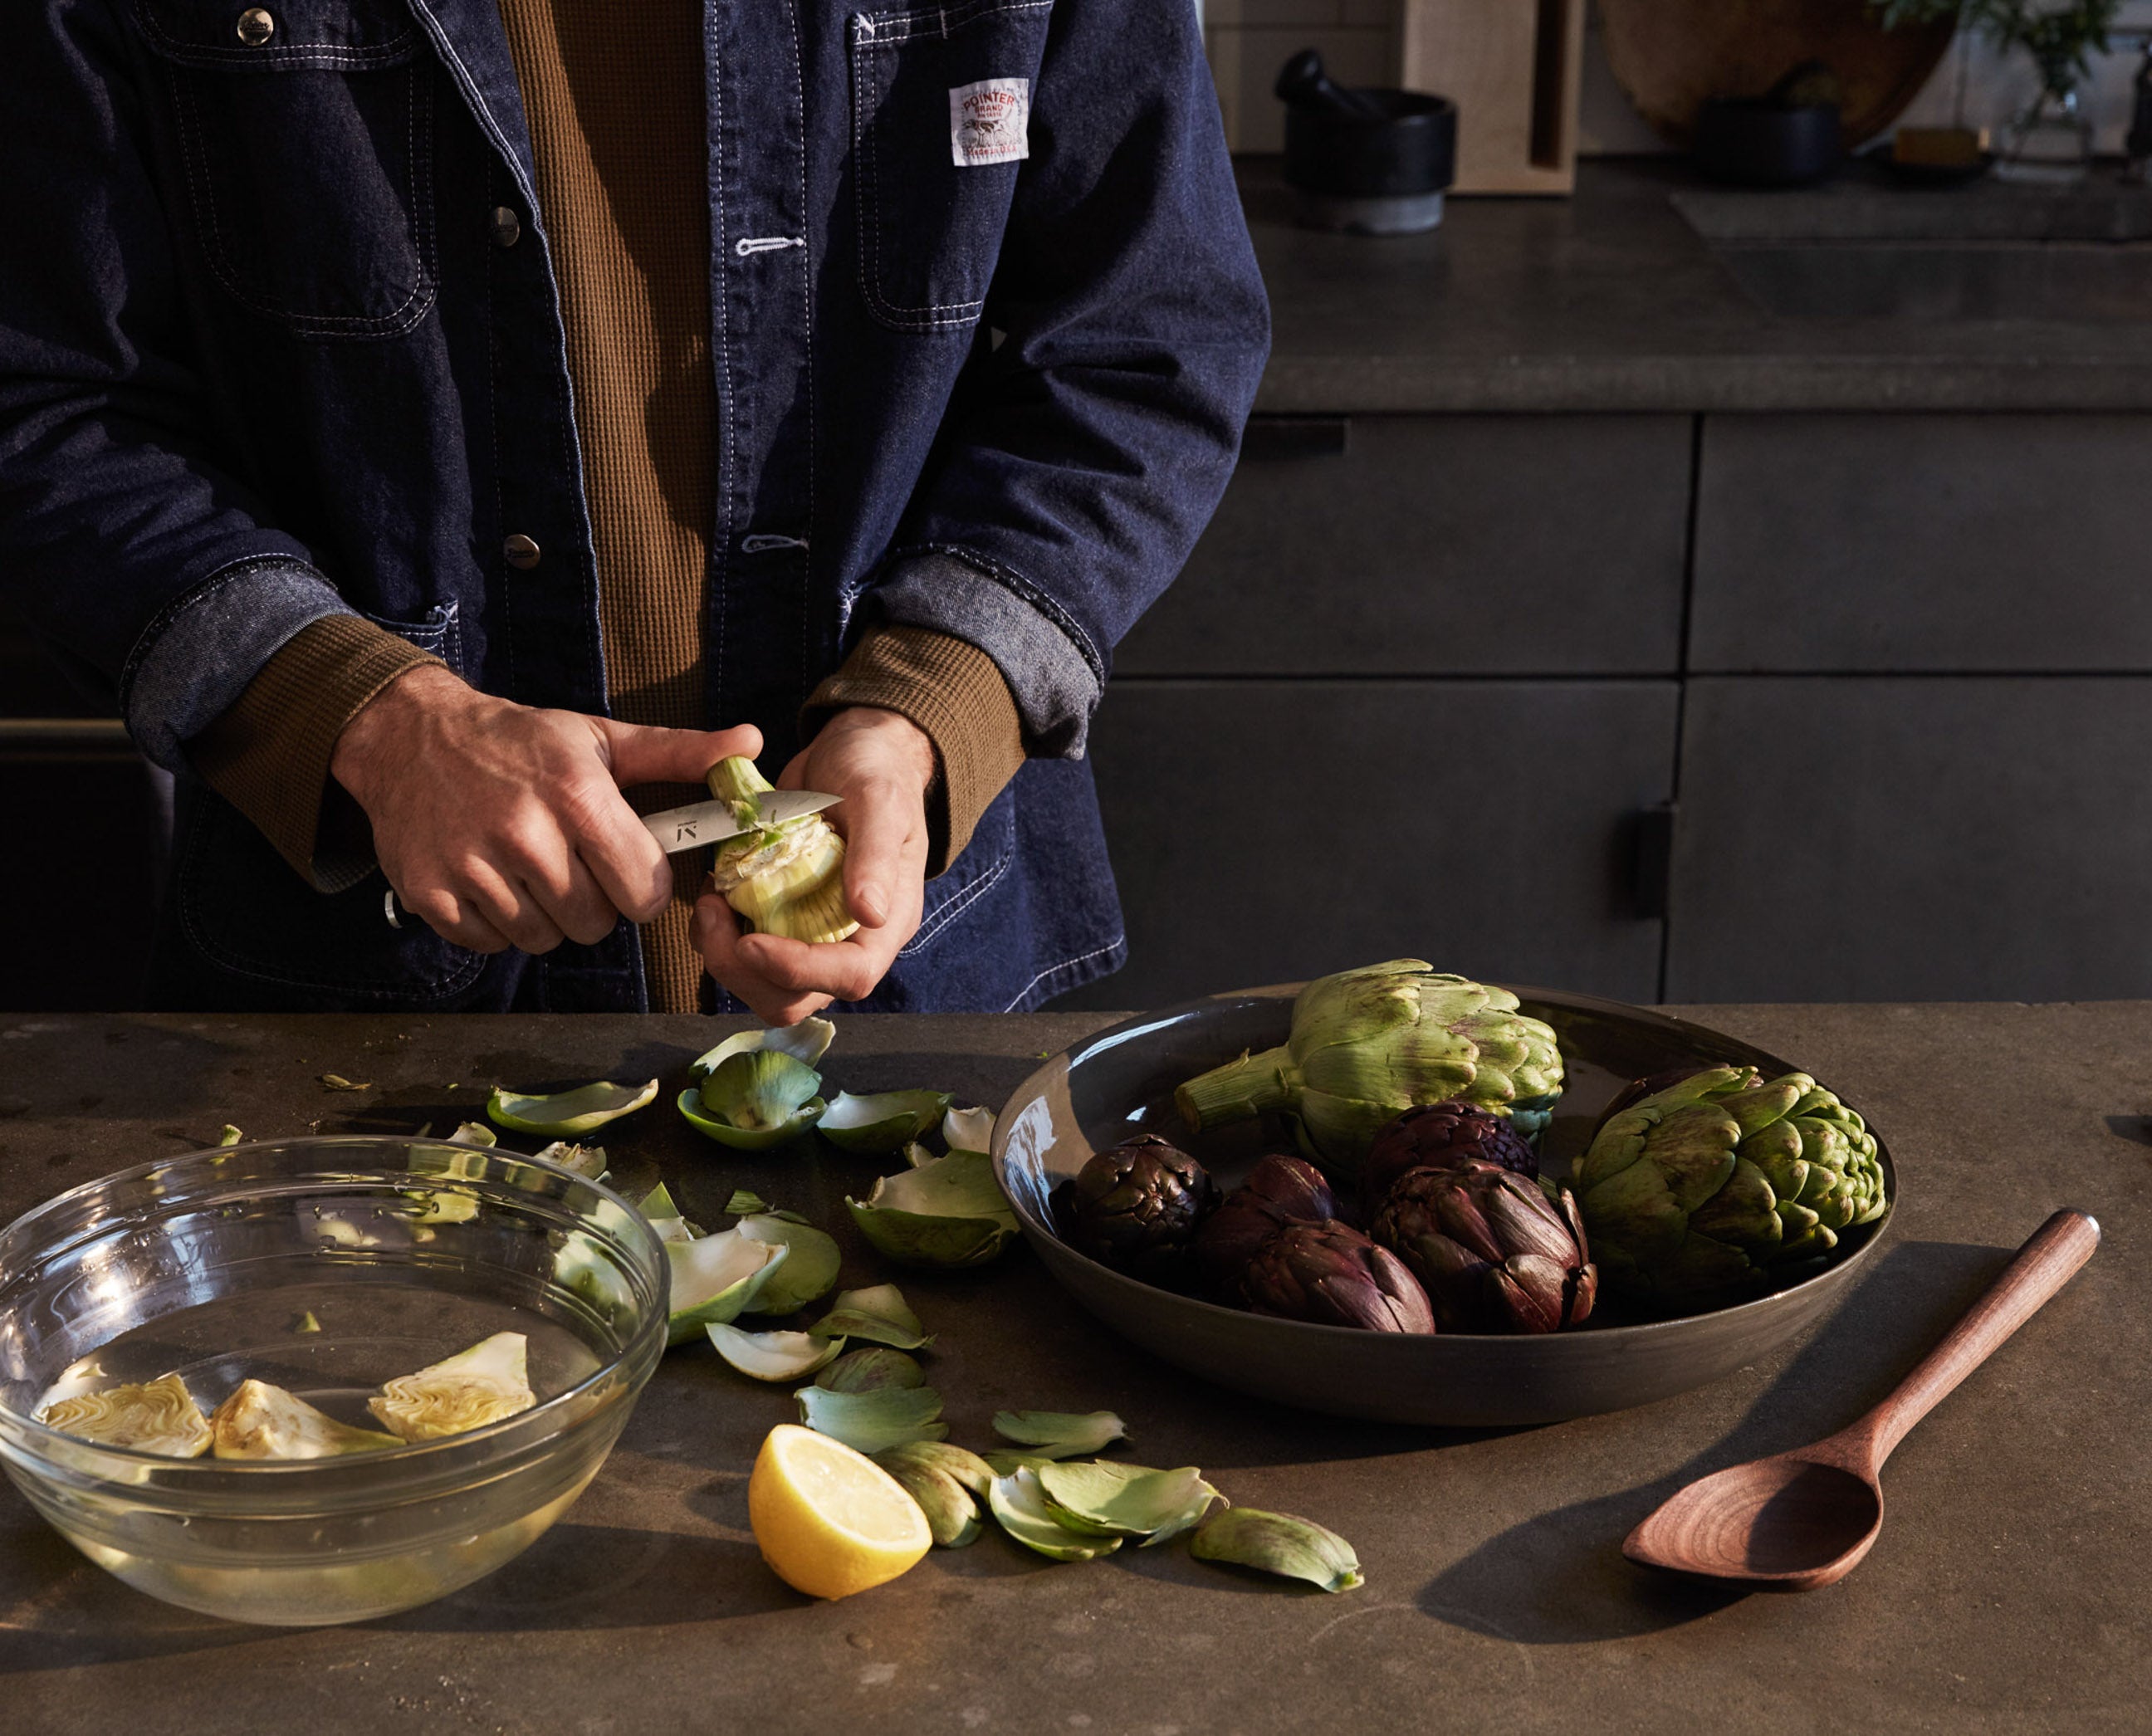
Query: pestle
1302	83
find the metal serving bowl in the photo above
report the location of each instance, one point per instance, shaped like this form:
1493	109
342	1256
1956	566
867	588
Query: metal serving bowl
1121	1081
326	1266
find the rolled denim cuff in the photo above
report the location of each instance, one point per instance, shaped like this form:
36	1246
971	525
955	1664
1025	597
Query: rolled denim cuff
195	658
1054	672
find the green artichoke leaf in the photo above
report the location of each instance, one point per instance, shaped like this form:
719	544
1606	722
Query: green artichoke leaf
1020	1505
717	1278
873	1126
872	1422
951	1515
759	1089
810	1275
878	1313
968	1130
664	1216
1280	1543
932	1243
950	1213
230	1136
1108	1500
744	1204
965	1467
587	1162
1745	1212
808	1042
1060	1434
565	1114
917	1156
746	1139
1005	1463
1631	1217
870	1370
772	1355
474	1133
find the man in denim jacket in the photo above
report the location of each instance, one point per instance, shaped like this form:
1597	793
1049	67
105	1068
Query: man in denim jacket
423	419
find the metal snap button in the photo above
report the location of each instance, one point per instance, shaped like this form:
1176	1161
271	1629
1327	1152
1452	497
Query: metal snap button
507	228
256	27
520	551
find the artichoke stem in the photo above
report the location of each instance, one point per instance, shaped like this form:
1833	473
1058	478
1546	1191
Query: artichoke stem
1238	1090
735	781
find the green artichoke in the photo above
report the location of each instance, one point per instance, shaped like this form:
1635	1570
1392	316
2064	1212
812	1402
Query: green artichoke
1714	1182
1366	1044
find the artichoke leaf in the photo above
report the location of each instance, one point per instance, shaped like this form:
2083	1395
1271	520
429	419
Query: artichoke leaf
158	1416
950	1213
968	1130
474	1133
949	1244
869	1370
261	1421
951	1515
1108	1500
587	1162
871	1422
807	1042
1020	1505
1278	1543
230	1136
809	1275
744	1204
474	1387
715	1278
1060	1434
746	1139
565	1114
772	1355
664	1216
967	1468
878	1313
876	1125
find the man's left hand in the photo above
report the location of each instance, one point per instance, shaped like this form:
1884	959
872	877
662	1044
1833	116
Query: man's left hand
881	765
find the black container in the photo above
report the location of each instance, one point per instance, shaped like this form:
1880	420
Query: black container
1383	173
1763	143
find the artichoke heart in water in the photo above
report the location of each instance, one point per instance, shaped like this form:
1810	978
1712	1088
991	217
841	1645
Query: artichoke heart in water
788	880
474	1388
261	1421
160	1416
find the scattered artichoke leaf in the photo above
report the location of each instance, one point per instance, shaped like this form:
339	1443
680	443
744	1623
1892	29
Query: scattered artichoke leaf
871	1422
882	1122
475	1387
744	1204
968	1130
716	1278
699	1113
230	1136
1060	1434
565	1114
664	1216
809	1275
159	1416
474	1133
878	1313
808	1041
1004	1463
337	1081
307	1323
951	1515
869	1370
760	1089
950	1213
587	1162
1125	1500
1279	1543
261	1421
965	1467
1019	1503
917	1156
772	1355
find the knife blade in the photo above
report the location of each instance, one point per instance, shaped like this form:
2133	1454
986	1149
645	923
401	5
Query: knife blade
699	823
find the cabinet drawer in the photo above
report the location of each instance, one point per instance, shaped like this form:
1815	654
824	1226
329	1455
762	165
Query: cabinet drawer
1435	545
1841	543
1939	838
1485	826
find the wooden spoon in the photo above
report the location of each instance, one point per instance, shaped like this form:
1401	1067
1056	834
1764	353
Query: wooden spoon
1804	1519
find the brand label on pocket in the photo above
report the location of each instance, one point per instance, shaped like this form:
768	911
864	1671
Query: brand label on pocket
990	122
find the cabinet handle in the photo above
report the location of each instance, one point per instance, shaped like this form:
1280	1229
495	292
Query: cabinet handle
1651	860
1270	439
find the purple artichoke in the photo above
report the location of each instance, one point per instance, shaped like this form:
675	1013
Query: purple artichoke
1494	1254
1440	1135
1279	1191
1332	1274
1135	1208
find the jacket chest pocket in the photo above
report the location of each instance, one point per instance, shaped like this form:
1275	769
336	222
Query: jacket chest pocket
940	123
306	144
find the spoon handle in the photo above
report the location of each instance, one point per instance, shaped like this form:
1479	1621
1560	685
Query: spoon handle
2056	1249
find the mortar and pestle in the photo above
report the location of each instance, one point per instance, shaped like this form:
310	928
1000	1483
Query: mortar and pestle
1365	162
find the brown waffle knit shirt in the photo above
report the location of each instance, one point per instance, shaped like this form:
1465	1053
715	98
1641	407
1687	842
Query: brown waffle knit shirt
617	130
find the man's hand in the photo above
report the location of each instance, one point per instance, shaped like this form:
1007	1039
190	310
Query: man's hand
880	763
500	825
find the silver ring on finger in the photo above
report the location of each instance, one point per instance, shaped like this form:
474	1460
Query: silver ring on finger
388	909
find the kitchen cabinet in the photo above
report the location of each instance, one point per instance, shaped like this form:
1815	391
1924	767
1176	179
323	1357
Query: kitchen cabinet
1267	830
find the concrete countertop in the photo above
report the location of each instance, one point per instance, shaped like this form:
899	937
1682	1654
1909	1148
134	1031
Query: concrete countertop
1612	300
2011	1591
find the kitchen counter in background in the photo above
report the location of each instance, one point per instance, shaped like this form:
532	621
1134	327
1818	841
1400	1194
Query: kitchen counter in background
2009	1592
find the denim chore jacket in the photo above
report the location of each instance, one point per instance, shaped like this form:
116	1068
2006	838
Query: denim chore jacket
279	338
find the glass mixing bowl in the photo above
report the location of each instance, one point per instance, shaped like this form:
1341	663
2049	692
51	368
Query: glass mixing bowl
325	1267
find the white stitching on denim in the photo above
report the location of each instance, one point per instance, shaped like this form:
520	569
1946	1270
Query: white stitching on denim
476	98
806	342
1066	964
714	171
959	904
749	245
762	541
310	54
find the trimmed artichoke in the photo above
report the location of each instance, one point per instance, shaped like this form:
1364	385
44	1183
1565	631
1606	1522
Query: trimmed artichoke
1494	1254
1714	1182
788	880
159	1416
1440	1135
1332	1275
1369	1044
483	1384
1279	1191
1135	1208
261	1421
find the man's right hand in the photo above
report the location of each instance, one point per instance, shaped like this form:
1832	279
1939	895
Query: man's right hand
502	826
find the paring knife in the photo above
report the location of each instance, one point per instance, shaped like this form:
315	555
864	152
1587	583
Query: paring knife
699	823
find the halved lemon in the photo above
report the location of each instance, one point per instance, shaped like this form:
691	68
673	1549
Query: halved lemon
829	1520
